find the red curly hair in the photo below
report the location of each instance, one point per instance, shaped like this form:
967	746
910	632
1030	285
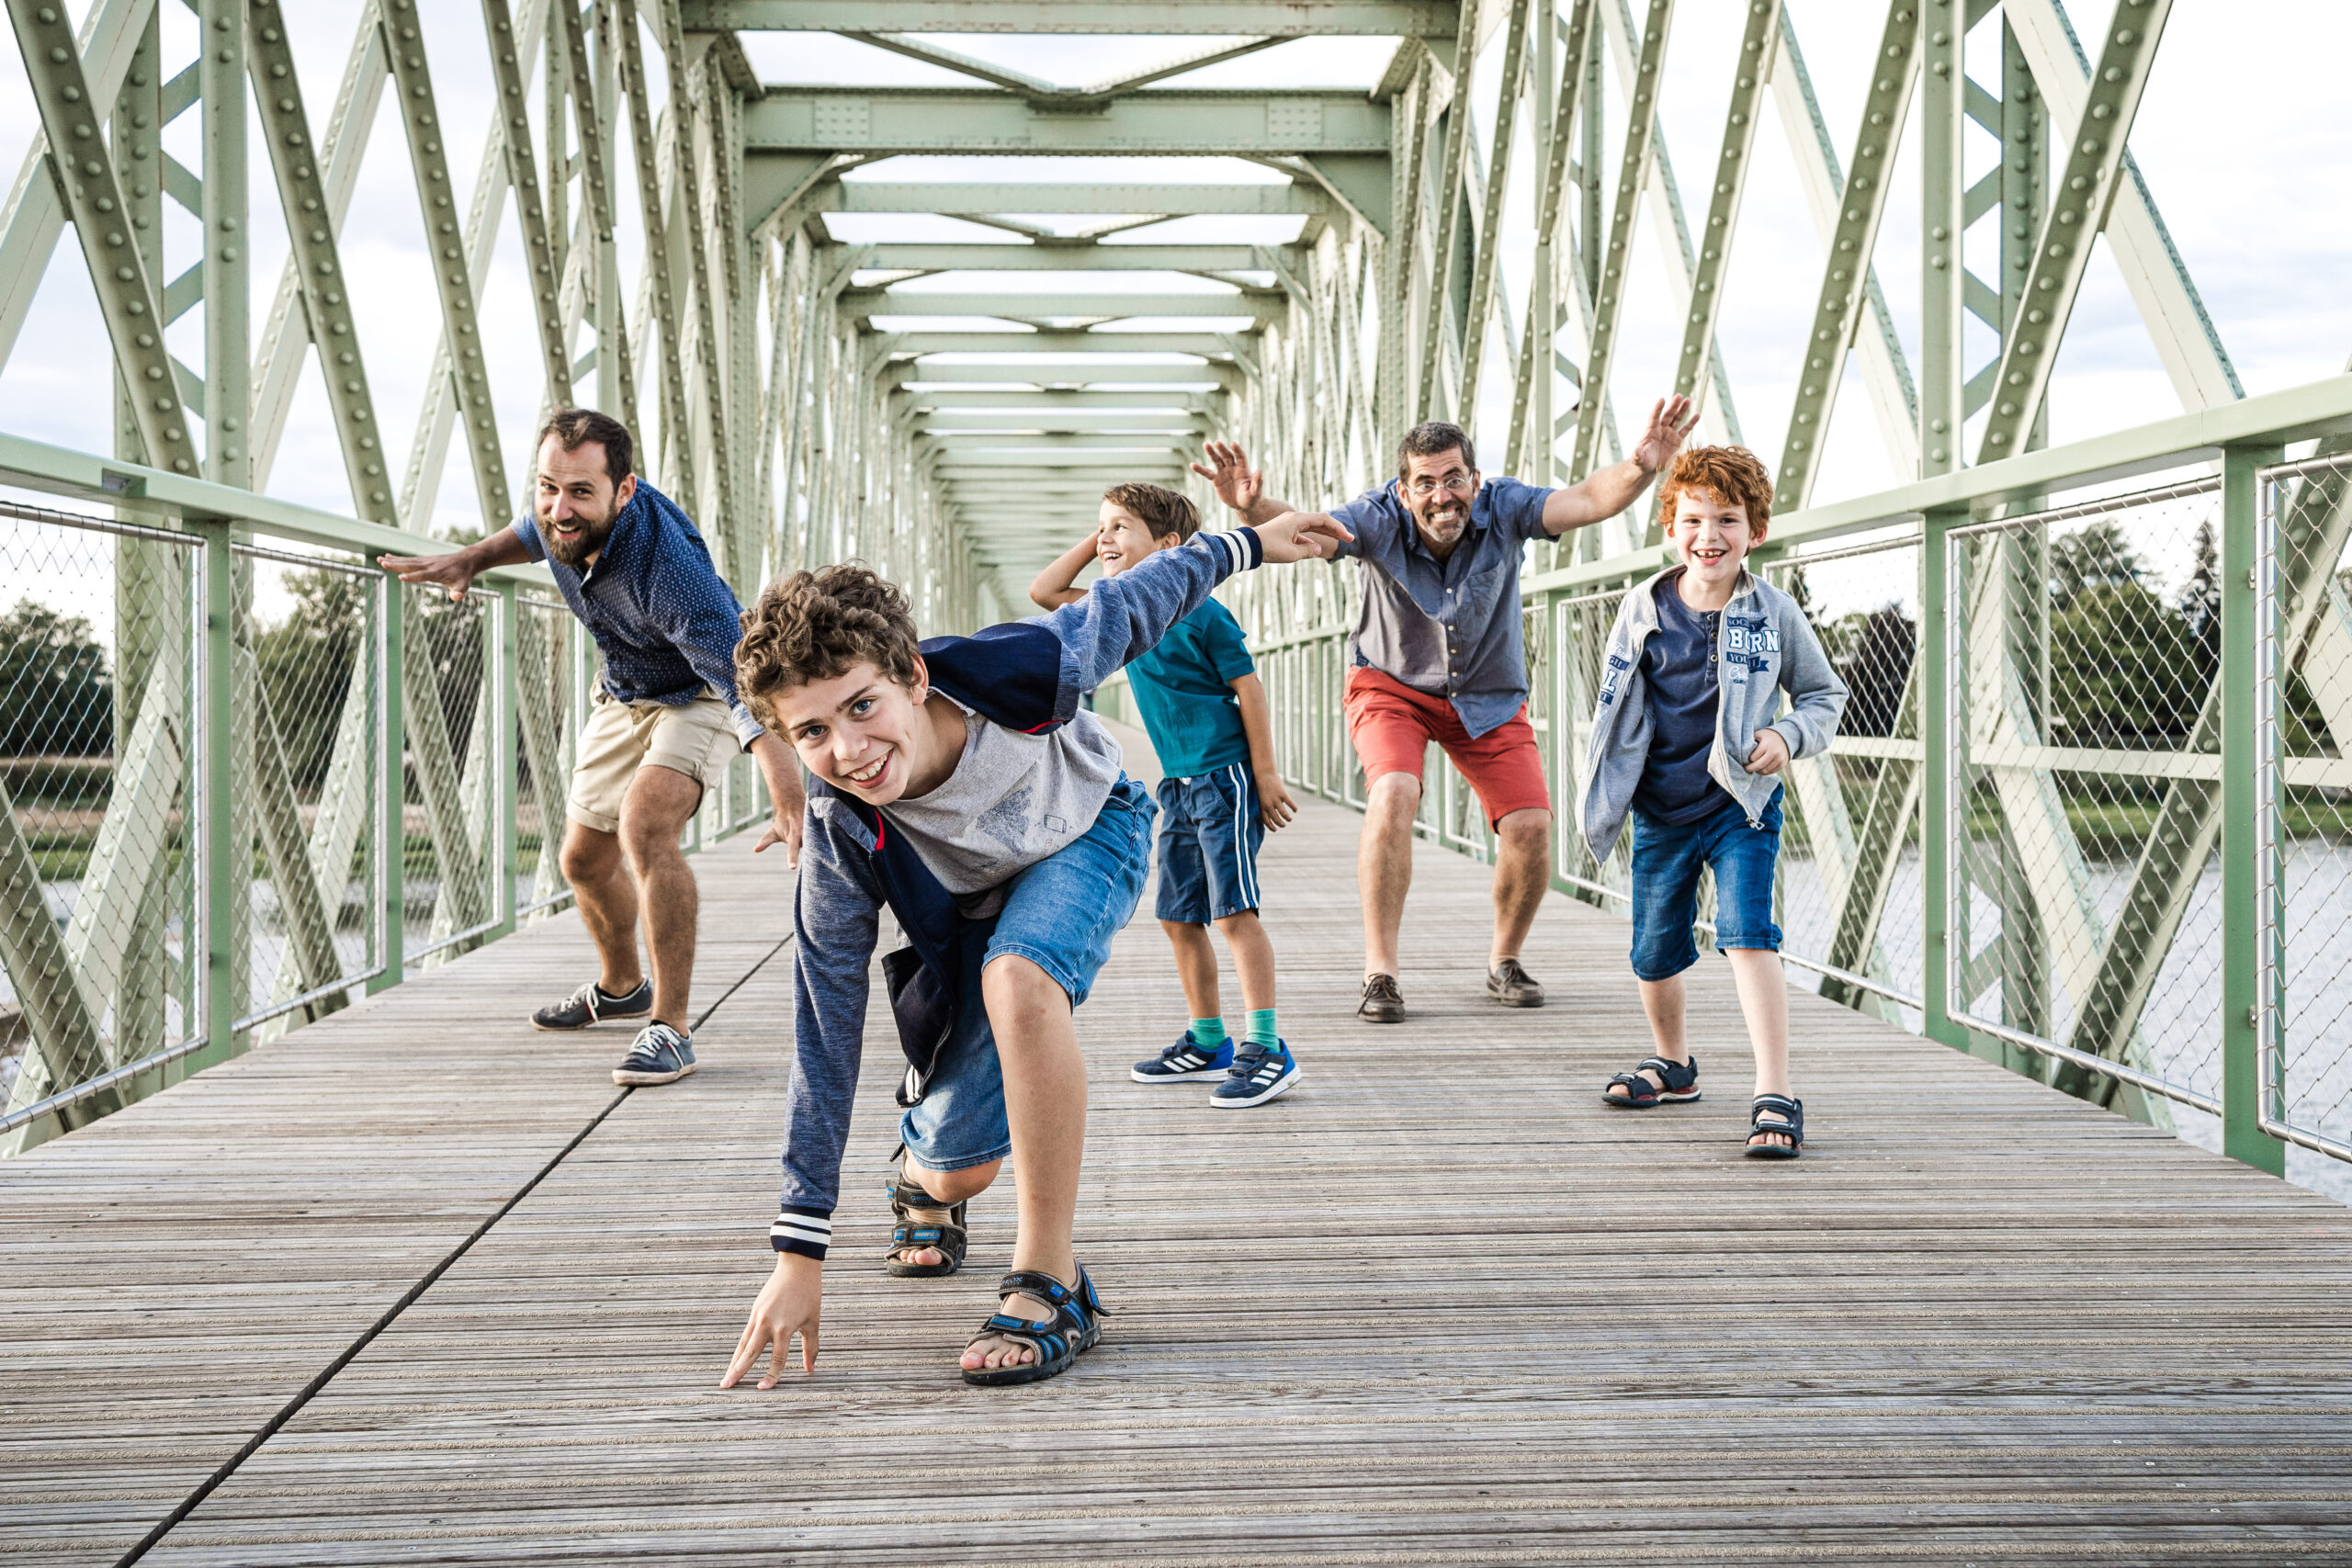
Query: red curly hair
1732	474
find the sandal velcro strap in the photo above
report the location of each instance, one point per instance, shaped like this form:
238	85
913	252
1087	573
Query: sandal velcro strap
1074	1325
1790	1124
947	1237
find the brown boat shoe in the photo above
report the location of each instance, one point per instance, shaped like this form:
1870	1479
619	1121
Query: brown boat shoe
1515	986
1383	1002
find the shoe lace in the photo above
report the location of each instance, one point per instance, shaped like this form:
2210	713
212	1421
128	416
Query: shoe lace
586	997
1382	989
653	1039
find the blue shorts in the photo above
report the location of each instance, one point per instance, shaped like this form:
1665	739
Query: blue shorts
1060	913
1666	886
1209	834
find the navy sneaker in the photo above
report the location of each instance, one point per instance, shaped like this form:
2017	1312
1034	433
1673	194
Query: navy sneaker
1185	1060
659	1055
1259	1073
592	1004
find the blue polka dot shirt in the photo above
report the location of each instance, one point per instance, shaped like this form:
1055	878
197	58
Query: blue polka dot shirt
664	620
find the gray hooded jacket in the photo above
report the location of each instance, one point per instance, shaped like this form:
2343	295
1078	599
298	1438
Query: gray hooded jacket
1763	645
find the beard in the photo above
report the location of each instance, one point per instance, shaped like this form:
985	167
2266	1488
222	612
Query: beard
1444	523
575	553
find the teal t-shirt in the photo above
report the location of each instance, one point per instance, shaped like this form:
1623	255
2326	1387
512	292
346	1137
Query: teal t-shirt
1184	691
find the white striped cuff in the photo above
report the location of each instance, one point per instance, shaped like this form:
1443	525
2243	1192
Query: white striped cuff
1242	547
797	1230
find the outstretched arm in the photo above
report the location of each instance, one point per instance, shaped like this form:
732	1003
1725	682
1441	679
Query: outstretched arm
1055	586
1613	489
457	571
1238	484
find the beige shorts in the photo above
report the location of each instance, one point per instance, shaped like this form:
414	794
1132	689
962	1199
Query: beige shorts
696	738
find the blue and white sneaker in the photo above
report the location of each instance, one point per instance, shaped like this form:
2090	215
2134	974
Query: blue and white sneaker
1259	1073
1185	1060
659	1055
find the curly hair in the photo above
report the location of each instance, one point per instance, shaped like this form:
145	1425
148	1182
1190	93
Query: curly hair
814	626
1732	474
1164	511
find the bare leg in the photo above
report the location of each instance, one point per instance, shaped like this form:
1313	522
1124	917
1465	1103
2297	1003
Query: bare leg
1045	1104
1523	875
1195	966
1253	958
659	805
607	895
1764	1000
1384	866
951	1188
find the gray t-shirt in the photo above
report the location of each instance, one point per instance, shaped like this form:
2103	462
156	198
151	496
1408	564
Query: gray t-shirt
1013	800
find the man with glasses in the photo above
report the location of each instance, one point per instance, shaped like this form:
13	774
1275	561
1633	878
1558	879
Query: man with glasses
1437	655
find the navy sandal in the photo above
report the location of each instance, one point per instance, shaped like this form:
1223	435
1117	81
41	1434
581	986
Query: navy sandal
947	1237
1792	1125
1076	1324
1682	1080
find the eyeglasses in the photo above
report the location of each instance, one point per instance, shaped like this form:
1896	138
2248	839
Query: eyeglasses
1458	482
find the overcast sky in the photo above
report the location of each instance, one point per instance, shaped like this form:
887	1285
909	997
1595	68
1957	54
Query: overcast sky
2240	139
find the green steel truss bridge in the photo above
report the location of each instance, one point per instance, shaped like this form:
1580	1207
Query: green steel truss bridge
2090	818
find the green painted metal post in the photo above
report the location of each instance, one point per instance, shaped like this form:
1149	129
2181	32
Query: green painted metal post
215	753
1936	803
502	739
391	788
2242	1134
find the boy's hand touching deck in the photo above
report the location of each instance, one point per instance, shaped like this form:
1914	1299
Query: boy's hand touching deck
1771	752
789	1303
1301	536
1276	809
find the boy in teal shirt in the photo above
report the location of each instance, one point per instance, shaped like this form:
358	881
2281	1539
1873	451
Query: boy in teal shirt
1204	708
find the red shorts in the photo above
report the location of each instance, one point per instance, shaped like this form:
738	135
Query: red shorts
1391	726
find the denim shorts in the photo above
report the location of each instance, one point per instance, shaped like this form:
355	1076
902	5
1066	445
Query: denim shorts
1060	914
1209	834
1666	886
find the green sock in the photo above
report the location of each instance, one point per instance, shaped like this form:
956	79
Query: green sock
1208	1033
1262	1028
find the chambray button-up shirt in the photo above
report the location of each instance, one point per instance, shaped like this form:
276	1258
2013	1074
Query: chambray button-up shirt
1450	628
663	619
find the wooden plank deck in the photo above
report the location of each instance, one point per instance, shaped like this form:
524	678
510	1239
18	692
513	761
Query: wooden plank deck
1438	1305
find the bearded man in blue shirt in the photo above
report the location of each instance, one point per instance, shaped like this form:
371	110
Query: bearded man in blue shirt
666	722
1437	656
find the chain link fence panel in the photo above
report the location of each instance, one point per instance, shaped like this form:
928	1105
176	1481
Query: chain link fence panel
2303	578
2085	815
100	956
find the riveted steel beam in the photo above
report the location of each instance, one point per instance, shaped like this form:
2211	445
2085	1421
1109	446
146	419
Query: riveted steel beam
1451	181
1616	267
685	108
1837	307
1170	123
446	251
657	246
1068	375
1535	338
862	303
1068	258
1759	38
35	215
2083	192
1025	343
539	251
128	297
1488	257
1270	18
1053	197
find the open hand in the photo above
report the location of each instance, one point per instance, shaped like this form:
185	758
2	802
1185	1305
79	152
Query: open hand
1771	752
1236	482
1276	809
789	1303
452	572
1302	536
1670	421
